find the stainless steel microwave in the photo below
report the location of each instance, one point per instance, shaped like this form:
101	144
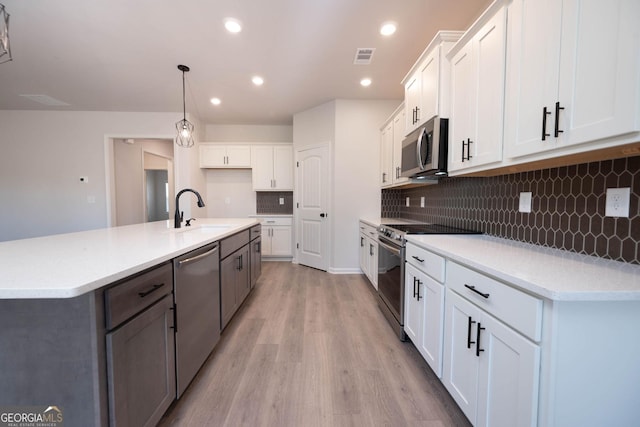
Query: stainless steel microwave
424	151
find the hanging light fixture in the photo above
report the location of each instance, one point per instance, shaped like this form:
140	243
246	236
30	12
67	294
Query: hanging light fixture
184	127
5	49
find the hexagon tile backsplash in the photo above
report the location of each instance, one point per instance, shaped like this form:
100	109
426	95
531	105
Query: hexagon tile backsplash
568	207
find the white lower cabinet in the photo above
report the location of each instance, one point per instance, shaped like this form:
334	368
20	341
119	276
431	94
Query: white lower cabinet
491	371
277	236
368	253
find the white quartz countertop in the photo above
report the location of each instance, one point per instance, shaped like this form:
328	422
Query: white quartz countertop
69	265
550	273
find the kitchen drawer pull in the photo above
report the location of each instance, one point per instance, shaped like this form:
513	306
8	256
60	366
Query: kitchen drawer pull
197	257
473	288
416	258
544	123
478	349
469	342
557	130
153	289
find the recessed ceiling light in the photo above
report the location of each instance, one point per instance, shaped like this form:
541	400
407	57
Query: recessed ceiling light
232	25
215	101
257	80
388	28
365	82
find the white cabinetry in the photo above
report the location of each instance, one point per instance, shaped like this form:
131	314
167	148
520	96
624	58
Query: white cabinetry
391	135
427	83
276	237
491	367
477	92
272	167
225	156
369	252
424	304
572	75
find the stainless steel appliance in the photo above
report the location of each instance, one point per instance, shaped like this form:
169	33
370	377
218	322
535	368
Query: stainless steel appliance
197	310
424	151
391	258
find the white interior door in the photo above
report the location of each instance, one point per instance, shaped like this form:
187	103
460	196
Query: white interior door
312	220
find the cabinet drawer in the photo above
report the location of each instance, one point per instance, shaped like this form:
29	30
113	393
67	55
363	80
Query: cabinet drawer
426	261
369	230
134	294
255	231
517	309
268	221
233	243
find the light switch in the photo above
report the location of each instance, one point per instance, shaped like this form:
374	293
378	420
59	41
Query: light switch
422	202
408	202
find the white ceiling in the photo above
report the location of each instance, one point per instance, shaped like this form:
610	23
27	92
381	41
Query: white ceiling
122	55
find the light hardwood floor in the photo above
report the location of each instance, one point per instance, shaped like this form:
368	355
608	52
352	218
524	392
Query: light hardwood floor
310	348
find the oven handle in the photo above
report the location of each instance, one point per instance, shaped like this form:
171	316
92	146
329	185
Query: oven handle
393	249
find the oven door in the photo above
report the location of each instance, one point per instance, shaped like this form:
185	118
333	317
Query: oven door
391	277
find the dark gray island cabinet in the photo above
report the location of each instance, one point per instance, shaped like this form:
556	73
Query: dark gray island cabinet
105	357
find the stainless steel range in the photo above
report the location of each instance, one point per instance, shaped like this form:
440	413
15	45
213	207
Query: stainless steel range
391	258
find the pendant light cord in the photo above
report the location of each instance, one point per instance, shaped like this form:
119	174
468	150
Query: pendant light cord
184	105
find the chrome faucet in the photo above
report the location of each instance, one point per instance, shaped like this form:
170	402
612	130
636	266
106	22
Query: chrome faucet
177	218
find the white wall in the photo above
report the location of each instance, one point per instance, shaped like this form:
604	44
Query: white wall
43	154
356	168
314	126
230	191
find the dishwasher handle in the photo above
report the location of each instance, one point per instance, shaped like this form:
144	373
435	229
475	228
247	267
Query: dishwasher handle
197	257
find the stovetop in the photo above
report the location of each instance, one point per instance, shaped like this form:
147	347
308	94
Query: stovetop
398	231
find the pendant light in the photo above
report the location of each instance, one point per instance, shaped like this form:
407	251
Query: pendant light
184	127
4	36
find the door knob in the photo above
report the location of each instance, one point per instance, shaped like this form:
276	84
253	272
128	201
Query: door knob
322	215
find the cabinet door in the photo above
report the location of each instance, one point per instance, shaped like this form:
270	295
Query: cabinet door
413	308
364	255
141	367
398	136
228	304
213	156
533	55
599	92
509	374
430	86
432	294
412	103
463	107
281	241
256	260
243	277
262	167
239	156
283	167
373	262
386	155
460	364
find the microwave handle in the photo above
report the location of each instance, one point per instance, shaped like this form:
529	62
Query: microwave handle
419	149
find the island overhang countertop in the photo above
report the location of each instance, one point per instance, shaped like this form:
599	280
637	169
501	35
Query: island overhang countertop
72	264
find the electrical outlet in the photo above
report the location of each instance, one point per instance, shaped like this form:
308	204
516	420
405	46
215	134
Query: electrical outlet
422	201
282	200
525	202
408	202
617	203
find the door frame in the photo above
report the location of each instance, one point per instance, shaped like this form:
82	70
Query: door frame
329	200
109	169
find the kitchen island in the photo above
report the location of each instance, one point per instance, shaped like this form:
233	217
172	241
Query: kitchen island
53	346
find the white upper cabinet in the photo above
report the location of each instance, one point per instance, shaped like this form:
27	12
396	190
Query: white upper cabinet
391	136
427	83
225	156
386	154
477	93
272	167
398	136
572	75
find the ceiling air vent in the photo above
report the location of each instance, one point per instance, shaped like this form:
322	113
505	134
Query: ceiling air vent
364	55
46	100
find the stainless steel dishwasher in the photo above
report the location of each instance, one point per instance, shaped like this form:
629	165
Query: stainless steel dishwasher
197	310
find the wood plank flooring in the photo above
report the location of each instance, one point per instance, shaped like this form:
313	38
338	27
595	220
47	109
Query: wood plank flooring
310	348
